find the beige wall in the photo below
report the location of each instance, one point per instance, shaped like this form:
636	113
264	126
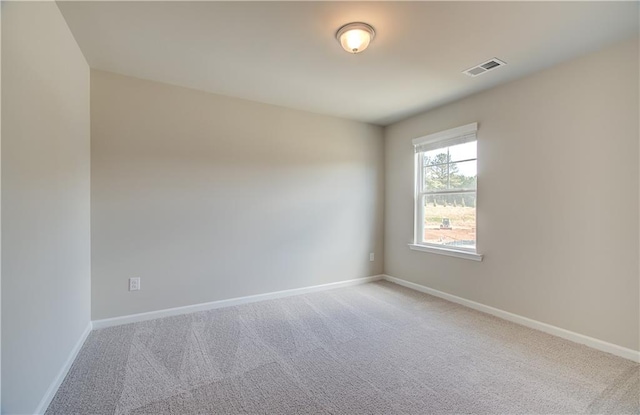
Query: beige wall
45	200
0	209
206	197
557	202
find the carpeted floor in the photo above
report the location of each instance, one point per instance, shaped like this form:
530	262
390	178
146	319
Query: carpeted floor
374	348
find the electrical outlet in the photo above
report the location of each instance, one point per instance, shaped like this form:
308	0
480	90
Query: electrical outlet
372	257
134	284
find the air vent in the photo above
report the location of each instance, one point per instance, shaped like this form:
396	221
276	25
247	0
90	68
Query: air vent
484	67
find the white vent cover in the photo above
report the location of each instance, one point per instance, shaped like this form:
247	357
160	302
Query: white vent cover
484	67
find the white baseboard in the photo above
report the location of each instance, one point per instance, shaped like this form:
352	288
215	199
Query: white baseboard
133	318
597	344
53	388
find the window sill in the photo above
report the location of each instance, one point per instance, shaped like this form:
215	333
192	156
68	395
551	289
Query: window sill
447	251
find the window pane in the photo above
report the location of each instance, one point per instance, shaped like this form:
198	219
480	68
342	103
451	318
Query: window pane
464	151
450	220
463	175
436	177
437	156
456	176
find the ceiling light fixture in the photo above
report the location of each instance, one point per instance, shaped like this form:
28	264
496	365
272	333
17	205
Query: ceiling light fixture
355	37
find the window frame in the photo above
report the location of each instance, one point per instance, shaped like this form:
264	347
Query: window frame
443	139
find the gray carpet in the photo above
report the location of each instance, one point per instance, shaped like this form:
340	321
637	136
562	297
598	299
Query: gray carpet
371	349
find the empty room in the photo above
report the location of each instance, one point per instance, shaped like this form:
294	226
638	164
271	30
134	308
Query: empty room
301	207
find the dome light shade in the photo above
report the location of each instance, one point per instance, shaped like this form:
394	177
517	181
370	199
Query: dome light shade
355	37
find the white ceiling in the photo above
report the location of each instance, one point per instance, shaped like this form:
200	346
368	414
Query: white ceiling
285	53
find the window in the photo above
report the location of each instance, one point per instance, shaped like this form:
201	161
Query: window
445	200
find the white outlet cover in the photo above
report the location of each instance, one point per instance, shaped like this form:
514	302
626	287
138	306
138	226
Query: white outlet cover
372	257
134	284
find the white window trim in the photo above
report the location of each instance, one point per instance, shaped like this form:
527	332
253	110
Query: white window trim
441	139
446	138
437	249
